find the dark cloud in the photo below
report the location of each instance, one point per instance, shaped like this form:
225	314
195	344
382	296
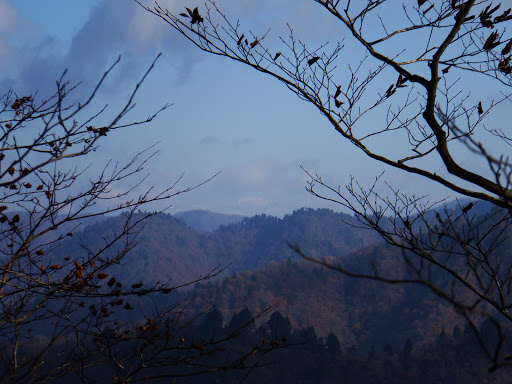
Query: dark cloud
114	27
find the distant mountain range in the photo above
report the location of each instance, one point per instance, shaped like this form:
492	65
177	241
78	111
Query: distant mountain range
168	248
207	221
262	270
367	318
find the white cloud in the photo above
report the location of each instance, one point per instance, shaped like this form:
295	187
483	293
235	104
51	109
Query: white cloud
257	174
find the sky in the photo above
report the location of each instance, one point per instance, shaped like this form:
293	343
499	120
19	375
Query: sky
224	117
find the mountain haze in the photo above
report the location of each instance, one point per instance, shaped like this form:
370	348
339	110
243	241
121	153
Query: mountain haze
207	221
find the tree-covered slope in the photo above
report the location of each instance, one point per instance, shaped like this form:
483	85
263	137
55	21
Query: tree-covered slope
165	247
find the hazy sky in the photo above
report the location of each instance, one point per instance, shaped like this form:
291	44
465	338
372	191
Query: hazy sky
225	117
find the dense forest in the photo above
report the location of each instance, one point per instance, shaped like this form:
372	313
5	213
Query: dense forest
299	355
326	327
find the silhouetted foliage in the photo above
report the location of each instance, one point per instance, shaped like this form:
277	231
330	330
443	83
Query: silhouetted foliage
72	311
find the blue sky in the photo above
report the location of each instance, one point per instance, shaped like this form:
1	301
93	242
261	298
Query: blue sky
224	117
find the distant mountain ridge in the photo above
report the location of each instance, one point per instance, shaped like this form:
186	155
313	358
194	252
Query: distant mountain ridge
168	248
207	221
262	270
364	315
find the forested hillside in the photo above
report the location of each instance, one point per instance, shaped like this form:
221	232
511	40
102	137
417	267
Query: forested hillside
300	355
360	312
167	248
339	326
